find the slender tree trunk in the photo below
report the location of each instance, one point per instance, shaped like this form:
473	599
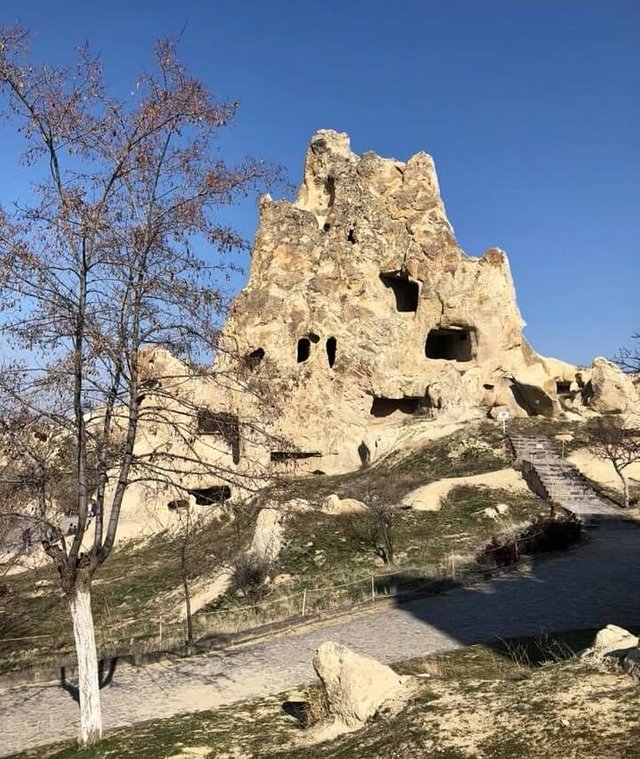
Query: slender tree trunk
187	594
625	485
88	683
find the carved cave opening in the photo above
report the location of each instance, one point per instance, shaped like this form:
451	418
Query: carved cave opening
450	344
211	495
405	290
253	359
382	407
332	345
223	425
330	191
563	388
293	455
303	350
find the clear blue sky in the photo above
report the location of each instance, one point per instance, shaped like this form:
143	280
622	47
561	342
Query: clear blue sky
531	109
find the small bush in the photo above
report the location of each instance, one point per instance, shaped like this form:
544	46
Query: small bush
249	575
543	534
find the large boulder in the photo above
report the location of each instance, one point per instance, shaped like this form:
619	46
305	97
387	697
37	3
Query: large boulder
535	391
610	391
268	535
356	686
612	639
614	648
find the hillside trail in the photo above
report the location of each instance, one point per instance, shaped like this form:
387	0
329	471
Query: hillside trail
588	587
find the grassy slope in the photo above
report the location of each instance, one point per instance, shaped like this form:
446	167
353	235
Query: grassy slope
522	700
132	589
131	586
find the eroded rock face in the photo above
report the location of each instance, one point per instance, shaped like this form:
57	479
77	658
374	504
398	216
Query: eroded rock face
362	310
361	314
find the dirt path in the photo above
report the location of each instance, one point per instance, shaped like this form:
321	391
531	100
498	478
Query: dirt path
588	587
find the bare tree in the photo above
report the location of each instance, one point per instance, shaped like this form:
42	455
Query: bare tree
611	439
628	358
102	262
374	530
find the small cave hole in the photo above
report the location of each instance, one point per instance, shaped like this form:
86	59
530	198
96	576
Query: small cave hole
351	236
330	191
252	360
332	344
313	337
406	291
563	388
213	495
223	425
178	504
382	407
326	227
450	344
303	350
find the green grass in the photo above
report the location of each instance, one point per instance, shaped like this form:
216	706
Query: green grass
431	549
501	706
132	586
132	591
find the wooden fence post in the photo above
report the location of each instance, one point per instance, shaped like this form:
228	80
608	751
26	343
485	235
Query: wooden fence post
304	601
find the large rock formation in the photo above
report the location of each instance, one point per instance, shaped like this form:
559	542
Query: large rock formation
361	315
362	310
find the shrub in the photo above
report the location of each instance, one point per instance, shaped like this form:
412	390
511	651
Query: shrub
249	575
543	534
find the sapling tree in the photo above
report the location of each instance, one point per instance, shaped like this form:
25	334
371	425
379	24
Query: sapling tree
613	439
628	358
102	261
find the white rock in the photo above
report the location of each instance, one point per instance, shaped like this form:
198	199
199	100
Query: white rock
502	508
268	535
335	505
356	686
613	638
612	390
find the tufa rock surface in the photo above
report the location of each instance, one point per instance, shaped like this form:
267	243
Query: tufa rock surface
356	686
362	320
362	311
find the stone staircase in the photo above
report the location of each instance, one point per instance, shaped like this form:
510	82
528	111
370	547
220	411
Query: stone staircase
555	479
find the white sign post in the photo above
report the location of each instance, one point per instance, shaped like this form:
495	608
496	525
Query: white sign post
503	416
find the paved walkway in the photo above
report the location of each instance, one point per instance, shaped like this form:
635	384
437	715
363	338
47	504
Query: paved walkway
590	586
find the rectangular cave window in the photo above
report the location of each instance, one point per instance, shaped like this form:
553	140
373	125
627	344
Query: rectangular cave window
178	505
382	407
293	455
563	388
224	425
212	495
405	291
303	351
451	344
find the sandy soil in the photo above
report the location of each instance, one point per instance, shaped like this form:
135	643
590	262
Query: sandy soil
430	497
600	471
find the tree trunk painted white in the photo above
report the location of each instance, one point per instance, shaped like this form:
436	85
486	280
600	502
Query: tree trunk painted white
88	683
